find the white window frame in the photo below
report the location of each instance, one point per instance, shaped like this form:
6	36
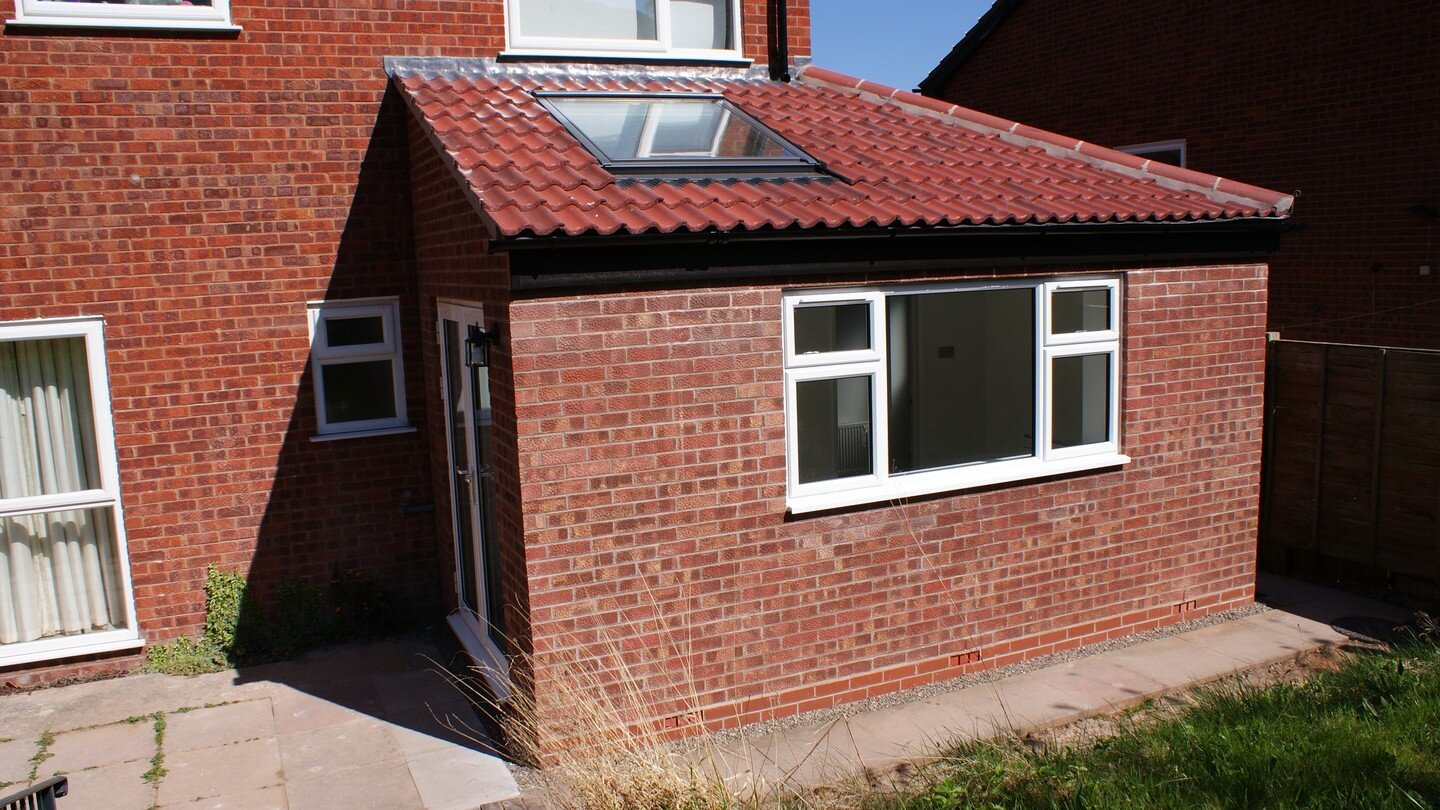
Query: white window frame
120	15
880	485
322	354
1148	149
107	496
518	44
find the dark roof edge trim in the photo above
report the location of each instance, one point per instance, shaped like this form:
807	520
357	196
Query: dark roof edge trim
933	83
675	238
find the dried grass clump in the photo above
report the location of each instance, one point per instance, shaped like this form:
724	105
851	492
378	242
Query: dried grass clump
602	751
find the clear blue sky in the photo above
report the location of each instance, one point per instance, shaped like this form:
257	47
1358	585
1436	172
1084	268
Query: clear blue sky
894	43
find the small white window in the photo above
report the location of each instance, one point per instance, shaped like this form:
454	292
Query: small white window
64	572
1172	152
208	15
686	29
356	365
907	391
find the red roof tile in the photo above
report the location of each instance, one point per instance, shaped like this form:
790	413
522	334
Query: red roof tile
900	160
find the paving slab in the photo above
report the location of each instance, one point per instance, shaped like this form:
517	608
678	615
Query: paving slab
271	798
459	779
113	787
297	710
74	751
388	785
423	730
405	692
219	725
1100	683
358	743
1175	662
1252	644
222	771
15	758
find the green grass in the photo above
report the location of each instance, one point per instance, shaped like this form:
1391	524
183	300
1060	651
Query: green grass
1364	736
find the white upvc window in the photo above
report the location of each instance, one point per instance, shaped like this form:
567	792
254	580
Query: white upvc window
64	571
355	362
672	29
160	15
896	392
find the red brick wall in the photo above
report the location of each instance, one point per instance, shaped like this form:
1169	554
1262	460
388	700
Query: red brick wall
196	191
651	449
1336	100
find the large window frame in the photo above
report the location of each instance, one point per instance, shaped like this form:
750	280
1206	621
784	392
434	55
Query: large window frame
106	496
214	17
389	348
880	484
519	44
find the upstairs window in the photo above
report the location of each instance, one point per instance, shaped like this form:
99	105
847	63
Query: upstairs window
683	29
682	134
909	391
207	15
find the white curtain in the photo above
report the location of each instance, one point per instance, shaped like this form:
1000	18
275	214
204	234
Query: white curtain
57	569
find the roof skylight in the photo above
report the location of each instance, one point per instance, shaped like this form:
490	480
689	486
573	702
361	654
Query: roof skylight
678	134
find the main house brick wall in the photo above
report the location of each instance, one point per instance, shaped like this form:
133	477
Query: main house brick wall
196	191
652	458
1335	100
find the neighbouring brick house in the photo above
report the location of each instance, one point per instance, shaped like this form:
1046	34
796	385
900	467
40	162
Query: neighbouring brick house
790	389
1336	100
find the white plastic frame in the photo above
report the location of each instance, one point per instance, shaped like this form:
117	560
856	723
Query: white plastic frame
321	354
882	486
106	497
518	44
1148	149
119	15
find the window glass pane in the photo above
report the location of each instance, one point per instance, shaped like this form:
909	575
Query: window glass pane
62	573
354	331
962	377
679	127
834	422
47	436
1079	311
700	24
588	19
358	391
832	328
1080	400
686	128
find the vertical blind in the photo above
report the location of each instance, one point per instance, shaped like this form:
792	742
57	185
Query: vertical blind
58	570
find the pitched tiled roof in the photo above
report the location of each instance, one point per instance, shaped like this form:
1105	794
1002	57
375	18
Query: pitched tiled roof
899	160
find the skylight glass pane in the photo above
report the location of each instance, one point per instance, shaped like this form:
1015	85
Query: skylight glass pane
690	130
588	19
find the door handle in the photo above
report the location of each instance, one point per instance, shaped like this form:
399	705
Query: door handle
463	474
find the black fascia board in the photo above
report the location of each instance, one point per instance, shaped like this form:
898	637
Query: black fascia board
703	258
935	82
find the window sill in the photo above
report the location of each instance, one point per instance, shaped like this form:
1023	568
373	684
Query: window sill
29	652
723	58
363	434
123	24
900	487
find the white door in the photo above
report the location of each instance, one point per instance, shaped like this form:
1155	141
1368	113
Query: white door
479	620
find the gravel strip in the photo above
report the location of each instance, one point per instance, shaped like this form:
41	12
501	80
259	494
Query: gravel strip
893	699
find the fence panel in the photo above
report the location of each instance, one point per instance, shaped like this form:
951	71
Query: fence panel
1352	461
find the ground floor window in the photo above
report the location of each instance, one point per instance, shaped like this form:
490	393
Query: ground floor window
913	390
355	359
64	580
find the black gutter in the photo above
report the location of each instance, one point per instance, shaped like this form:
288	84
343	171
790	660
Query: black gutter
779	41
868	255
828	235
933	84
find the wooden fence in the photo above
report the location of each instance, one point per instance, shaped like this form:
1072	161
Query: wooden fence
1352	456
